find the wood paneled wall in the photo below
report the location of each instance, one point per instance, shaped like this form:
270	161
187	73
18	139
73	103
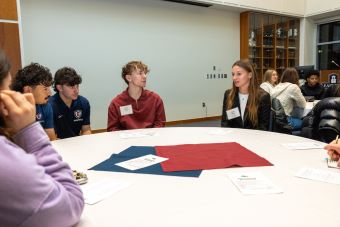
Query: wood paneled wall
9	33
8	10
10	43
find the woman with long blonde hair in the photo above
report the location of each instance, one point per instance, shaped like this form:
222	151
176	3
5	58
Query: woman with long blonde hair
245	105
270	80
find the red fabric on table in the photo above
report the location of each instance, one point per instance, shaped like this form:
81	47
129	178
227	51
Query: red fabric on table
208	156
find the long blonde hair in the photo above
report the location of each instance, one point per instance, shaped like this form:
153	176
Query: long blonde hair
267	76
252	89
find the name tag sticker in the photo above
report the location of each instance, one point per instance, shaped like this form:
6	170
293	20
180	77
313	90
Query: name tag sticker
233	113
125	110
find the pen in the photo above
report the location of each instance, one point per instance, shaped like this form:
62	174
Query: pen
335	152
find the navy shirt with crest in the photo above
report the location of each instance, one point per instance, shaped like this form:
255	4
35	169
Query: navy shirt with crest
44	115
69	121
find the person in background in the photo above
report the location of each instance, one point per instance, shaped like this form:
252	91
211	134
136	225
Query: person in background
312	87
37	79
270	79
37	188
333	150
290	96
245	105
71	111
135	107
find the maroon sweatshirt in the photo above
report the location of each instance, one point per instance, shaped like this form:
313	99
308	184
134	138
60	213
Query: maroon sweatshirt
126	113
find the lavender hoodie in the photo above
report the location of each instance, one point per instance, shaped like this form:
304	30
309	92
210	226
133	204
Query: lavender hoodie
36	186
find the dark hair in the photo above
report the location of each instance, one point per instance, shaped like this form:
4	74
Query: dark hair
133	66
32	75
68	76
5	66
312	72
290	75
253	91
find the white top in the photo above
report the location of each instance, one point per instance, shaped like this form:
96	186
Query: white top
290	97
243	102
267	87
211	199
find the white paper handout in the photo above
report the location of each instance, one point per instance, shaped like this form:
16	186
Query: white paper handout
303	146
136	134
141	162
332	163
95	192
319	175
253	183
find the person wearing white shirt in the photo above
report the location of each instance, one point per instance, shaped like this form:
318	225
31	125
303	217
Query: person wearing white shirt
245	105
290	96
270	80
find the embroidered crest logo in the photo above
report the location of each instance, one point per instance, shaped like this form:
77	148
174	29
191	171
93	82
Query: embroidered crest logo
78	113
38	116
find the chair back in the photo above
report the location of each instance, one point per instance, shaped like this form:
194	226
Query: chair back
281	123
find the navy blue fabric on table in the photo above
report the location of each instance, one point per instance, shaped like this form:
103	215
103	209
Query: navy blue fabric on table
135	152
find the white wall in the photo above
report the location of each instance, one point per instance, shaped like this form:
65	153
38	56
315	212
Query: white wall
315	7
287	7
181	44
308	30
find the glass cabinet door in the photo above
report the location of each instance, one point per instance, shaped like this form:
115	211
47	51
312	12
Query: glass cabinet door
269	41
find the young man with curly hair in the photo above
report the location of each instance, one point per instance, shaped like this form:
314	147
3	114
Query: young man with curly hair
37	79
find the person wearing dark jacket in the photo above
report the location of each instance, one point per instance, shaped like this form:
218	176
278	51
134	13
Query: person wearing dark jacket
312	87
323	122
245	105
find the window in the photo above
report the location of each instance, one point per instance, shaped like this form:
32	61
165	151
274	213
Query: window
328	46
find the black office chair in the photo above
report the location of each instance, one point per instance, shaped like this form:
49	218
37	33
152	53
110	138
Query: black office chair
323	122
280	123
329	125
272	120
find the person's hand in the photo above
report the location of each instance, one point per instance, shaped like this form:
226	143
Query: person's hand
17	110
333	150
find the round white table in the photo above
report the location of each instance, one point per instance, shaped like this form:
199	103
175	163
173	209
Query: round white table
211	199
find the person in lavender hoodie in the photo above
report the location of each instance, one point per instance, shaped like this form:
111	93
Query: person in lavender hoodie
36	187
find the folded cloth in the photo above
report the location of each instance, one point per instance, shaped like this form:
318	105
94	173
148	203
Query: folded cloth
135	152
208	156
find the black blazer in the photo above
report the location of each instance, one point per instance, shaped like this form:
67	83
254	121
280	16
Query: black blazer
263	112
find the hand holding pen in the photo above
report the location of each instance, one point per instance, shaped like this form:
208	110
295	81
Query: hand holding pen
333	150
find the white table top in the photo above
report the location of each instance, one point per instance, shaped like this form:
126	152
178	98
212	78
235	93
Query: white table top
211	199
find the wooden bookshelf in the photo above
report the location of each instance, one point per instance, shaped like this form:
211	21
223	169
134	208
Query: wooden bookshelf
269	41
